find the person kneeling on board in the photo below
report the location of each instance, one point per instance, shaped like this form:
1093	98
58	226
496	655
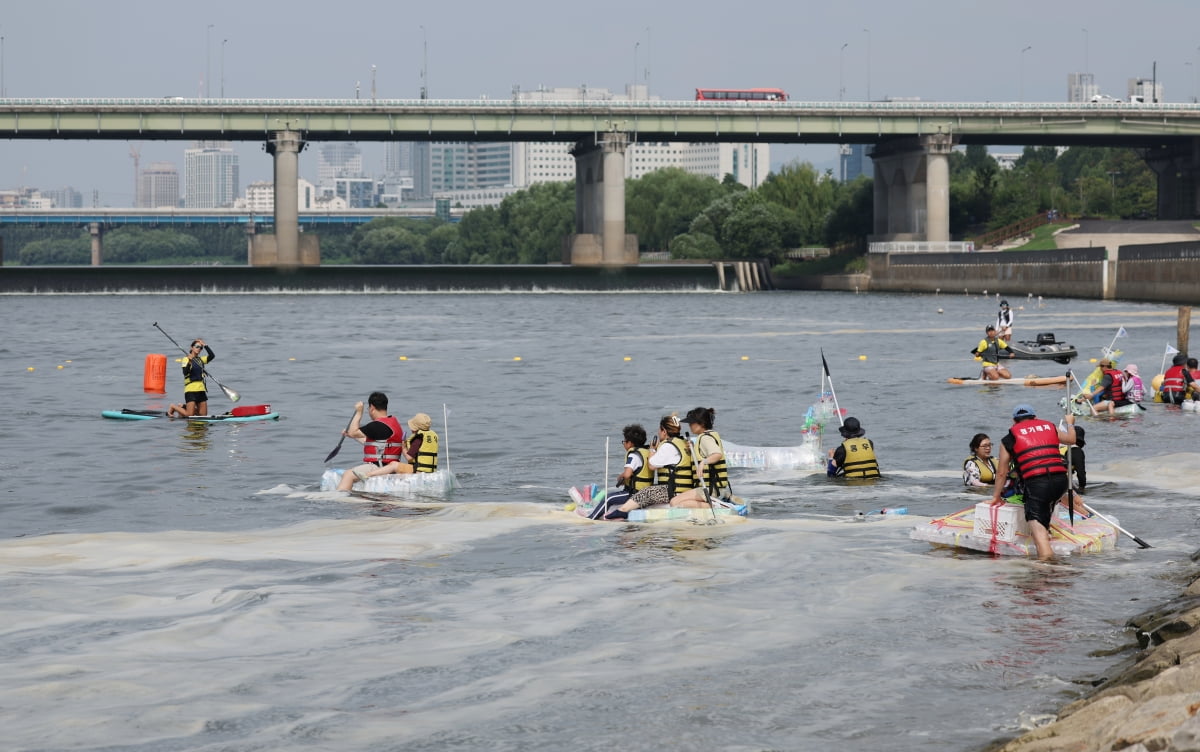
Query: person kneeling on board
988	350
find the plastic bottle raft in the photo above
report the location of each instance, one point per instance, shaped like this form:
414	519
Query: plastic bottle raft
1003	530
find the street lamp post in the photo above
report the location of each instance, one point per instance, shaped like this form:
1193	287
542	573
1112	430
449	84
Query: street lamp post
1188	63
424	65
1023	51
223	41
372	83
208	60
868	33
1112	196
1085	51
842	72
633	92
3	92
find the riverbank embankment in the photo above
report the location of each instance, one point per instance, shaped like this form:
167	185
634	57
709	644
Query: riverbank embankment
1149	703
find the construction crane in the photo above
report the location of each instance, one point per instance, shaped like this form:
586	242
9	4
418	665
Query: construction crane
135	151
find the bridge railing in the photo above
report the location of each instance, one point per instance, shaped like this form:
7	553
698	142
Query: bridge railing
915	246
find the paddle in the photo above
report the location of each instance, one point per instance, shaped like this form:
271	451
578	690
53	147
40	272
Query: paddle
837	408
1070	479
338	448
1136	539
232	395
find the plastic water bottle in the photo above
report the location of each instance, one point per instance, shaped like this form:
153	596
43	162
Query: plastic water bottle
894	510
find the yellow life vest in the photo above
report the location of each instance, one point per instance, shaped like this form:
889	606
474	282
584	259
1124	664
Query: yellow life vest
716	475
860	459
644	477
427	456
679	477
987	468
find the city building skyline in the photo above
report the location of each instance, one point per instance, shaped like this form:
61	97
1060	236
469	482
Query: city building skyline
210	170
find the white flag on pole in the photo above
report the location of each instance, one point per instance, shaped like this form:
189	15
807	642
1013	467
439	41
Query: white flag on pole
1171	350
1122	333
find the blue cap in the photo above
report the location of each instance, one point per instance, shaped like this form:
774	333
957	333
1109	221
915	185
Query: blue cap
1023	411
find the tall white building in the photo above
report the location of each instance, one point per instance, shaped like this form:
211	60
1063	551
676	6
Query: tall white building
338	159
260	197
1081	87
158	186
1144	90
210	170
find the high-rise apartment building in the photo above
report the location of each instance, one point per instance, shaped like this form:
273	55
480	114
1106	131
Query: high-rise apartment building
1081	87
338	159
210	170
158	186
65	198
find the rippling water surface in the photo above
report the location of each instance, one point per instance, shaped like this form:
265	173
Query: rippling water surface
173	587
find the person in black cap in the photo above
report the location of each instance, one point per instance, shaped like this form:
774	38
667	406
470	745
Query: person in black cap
1177	381
1032	445
1004	321
855	456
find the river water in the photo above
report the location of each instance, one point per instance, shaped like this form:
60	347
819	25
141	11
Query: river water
173	587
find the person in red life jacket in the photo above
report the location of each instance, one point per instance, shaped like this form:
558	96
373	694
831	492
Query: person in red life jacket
1111	389
1176	381
382	439
1032	445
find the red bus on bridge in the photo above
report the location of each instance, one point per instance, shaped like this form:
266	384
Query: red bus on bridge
741	95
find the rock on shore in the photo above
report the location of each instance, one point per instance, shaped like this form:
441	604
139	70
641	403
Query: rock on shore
1151	702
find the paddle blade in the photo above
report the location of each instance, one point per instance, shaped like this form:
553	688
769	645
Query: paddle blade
1141	542
232	395
336	449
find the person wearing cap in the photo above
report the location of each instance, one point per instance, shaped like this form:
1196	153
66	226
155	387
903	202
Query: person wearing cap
420	450
1032	445
988	350
855	456
709	453
1176	381
1111	389
1135	390
1004	321
195	392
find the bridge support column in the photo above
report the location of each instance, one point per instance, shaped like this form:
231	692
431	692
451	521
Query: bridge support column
1178	169
286	247
97	233
600	237
937	187
912	189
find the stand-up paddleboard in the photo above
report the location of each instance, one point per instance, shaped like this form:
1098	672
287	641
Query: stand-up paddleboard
243	414
1027	381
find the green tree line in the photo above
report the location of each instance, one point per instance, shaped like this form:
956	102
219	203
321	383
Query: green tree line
672	212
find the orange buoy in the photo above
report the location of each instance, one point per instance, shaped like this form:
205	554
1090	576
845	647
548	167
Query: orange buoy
155	379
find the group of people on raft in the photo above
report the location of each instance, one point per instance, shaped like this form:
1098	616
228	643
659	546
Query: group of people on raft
1037	458
690	471
385	448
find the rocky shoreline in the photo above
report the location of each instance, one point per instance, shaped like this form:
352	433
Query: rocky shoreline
1149	703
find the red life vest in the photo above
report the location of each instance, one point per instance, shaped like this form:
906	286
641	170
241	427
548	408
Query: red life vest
392	447
1035	448
1116	392
1173	380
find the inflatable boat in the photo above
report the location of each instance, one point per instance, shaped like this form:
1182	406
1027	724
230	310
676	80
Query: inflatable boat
1045	347
1003	530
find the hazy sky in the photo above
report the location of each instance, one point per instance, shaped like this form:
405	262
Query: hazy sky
947	50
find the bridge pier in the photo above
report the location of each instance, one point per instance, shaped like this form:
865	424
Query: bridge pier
600	237
286	247
96	230
912	189
1178	169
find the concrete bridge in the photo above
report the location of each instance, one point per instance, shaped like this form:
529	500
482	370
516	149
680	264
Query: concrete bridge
913	141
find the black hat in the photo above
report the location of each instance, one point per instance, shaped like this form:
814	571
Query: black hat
1179	360
852	429
1004	303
